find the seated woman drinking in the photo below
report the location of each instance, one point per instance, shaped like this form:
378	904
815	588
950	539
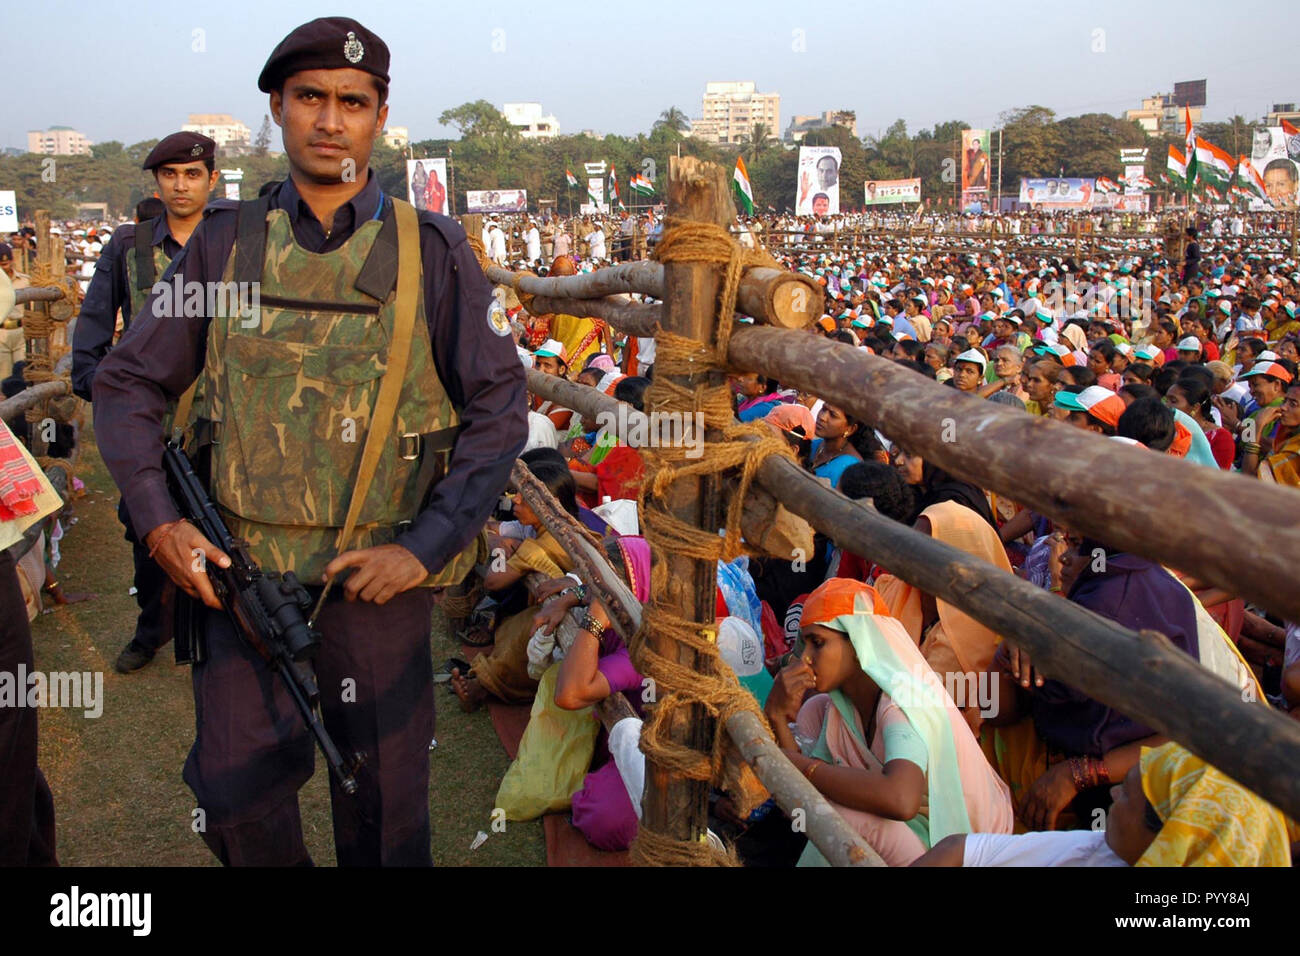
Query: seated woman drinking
880	738
562	741
503	672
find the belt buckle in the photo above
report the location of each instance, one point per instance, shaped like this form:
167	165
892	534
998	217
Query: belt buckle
409	446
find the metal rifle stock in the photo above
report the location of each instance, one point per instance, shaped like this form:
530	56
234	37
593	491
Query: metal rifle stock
265	607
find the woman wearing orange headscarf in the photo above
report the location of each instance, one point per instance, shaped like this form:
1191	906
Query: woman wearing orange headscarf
957	646
881	738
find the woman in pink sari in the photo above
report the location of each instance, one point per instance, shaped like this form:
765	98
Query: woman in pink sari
881	738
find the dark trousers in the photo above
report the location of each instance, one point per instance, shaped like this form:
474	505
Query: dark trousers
26	804
149	581
252	752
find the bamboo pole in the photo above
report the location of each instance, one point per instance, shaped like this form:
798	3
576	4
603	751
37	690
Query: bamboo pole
1140	675
1128	497
33	395
776	296
45	293
620	311
838	842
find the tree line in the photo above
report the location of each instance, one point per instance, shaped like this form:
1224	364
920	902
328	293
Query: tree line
491	154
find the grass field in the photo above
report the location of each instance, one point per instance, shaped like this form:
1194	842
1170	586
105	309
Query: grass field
119	797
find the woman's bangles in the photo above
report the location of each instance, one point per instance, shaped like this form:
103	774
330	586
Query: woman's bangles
1088	772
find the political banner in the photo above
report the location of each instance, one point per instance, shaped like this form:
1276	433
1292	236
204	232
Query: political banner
596	193
819	181
1121	202
877	192
8	211
496	200
426	184
974	160
1132	180
1058	193
1276	166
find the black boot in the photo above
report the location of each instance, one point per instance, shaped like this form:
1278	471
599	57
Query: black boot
133	657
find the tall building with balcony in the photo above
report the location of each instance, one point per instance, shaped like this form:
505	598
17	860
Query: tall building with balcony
731	109
58	141
1159	114
530	121
221	128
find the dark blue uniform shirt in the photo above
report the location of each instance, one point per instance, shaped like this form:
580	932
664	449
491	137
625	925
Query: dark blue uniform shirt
160	357
106	296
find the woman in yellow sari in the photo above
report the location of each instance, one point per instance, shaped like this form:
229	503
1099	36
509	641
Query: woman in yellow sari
1282	465
503	671
1206	817
1172	809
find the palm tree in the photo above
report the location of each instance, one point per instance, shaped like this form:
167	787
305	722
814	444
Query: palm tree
674	119
1241	129
756	142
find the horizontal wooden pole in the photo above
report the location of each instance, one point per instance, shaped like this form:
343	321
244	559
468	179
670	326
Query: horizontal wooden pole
1127	497
1141	675
645	277
620	311
838	842
34	395
45	293
773	296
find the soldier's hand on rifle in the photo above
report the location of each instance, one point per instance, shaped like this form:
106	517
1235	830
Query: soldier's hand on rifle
183	552
382	572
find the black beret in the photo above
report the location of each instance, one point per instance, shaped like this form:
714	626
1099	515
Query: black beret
330	43
180	148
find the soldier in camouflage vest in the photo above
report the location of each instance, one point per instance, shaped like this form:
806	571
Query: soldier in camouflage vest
337	314
135	258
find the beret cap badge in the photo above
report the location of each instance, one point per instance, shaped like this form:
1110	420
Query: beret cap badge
353	51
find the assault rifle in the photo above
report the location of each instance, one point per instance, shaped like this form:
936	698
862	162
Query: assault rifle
266	608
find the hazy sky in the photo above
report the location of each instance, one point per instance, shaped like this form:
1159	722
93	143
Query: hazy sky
128	70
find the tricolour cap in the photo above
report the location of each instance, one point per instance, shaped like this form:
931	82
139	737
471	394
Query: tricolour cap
1101	403
1272	369
552	348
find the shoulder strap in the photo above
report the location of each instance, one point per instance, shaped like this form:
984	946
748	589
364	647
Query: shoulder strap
145	274
399	350
379	271
250	238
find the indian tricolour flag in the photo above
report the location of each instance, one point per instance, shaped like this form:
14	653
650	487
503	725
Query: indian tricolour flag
573	180
1177	165
740	186
1189	148
1249	179
641	186
1213	163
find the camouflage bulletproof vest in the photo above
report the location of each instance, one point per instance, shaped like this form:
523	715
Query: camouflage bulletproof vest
290	390
134	279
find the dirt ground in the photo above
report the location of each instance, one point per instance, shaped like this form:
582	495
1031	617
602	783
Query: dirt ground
119	797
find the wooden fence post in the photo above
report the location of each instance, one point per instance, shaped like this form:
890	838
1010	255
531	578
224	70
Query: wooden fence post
674	807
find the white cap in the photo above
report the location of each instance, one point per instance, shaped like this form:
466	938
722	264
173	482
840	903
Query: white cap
975	357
